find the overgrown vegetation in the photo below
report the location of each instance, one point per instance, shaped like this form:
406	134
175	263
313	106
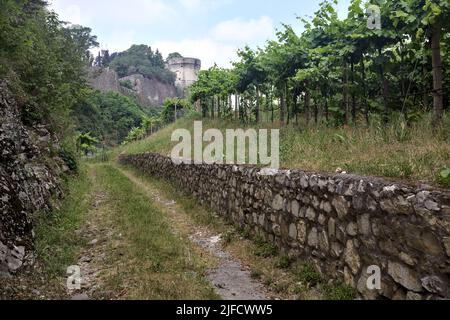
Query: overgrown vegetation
139	59
57	242
44	62
340	72
173	109
108	116
417	154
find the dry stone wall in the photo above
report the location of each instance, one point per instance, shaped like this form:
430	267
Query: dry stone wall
343	224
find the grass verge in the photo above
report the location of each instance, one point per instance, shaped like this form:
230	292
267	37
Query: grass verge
57	242
412	153
56	245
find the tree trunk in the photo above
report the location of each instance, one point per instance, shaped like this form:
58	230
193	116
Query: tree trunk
175	112
236	107
295	107
353	92
438	97
363	77
282	106
271	107
307	104
286	95
425	93
257	106
345	92
218	107
316	112
385	89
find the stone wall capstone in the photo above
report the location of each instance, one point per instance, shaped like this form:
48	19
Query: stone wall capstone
341	223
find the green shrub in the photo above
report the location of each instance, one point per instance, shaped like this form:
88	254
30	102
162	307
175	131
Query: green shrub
284	262
444	177
69	159
264	249
127	84
339	291
307	274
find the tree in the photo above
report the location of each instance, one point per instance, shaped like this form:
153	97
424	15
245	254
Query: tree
86	143
173	55
172	107
45	59
426	19
142	60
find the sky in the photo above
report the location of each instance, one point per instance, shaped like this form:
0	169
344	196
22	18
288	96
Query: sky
211	30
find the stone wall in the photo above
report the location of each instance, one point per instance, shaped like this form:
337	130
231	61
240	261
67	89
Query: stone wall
27	184
341	223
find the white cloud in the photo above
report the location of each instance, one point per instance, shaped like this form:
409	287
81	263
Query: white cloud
208	50
134	12
244	31
222	41
121	24
203	5
191	4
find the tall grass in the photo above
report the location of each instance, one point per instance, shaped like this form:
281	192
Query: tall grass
416	152
56	241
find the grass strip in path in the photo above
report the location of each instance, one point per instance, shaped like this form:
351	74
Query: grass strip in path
155	263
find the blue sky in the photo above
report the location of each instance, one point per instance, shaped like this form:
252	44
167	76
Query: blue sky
211	30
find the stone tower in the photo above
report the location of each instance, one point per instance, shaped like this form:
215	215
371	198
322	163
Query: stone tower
186	70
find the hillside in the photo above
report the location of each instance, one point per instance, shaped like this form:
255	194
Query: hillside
108	116
138	72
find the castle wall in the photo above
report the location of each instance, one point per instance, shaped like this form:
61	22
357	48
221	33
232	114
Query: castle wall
186	69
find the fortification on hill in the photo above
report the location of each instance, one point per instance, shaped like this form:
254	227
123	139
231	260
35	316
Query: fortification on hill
186	69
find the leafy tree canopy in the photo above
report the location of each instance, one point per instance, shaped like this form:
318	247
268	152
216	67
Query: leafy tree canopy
143	60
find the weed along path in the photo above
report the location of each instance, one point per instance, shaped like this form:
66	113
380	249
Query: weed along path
231	280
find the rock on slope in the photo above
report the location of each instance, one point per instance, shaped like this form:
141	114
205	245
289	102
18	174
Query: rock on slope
27	185
149	92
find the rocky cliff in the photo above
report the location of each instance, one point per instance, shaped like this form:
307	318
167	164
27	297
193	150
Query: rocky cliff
27	183
149	92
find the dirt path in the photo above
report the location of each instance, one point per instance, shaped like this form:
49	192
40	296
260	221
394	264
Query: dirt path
102	241
231	280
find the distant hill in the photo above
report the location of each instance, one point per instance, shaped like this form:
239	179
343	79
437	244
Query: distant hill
137	72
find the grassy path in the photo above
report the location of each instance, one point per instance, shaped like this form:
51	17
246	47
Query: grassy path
135	253
232	281
137	237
